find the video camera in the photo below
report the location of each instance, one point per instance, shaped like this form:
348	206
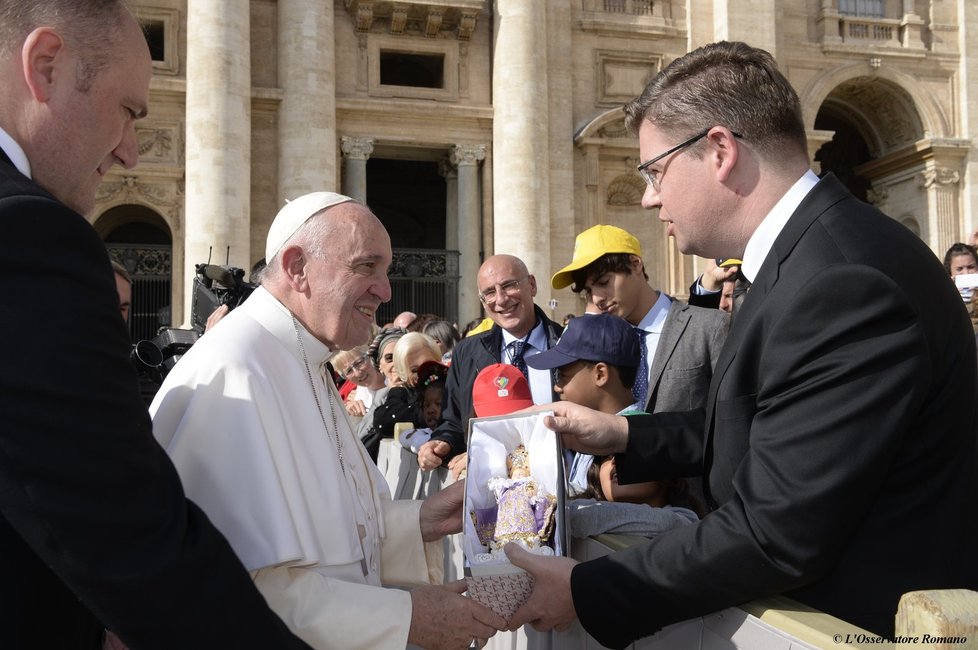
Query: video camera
213	286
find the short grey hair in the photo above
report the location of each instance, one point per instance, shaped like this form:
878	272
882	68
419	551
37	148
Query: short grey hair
90	27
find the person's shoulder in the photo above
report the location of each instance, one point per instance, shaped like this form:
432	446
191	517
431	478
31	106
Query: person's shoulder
700	314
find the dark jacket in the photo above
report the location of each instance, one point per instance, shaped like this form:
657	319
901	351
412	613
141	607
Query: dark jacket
838	440
94	524
470	356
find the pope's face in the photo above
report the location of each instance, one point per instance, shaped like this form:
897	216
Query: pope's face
348	285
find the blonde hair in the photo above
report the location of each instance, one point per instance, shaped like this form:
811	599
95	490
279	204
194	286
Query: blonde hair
407	345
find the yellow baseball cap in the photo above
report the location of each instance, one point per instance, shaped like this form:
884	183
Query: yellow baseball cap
591	245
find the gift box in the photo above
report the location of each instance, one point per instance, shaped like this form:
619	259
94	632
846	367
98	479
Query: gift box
498	509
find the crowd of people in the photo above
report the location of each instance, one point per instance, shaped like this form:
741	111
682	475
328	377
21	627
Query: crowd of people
805	425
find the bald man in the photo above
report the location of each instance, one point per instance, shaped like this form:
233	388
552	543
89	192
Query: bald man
520	329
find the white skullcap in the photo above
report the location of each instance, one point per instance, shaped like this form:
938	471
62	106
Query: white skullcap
295	213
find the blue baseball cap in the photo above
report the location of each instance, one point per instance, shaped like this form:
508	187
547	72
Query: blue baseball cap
592	337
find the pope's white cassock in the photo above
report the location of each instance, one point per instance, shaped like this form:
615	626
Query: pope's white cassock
308	513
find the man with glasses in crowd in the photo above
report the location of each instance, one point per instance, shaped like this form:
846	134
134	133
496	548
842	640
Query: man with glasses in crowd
838	441
520	329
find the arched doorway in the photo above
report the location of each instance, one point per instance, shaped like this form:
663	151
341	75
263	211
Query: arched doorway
888	141
138	238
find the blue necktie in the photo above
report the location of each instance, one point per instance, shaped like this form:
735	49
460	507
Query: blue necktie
641	385
516	357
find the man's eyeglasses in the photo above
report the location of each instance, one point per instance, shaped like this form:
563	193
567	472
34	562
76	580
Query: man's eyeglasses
355	366
653	176
491	295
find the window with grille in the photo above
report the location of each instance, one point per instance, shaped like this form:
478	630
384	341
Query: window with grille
867	8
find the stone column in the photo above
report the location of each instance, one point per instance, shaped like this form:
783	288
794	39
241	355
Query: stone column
466	158
356	151
563	224
944	224
218	169
520	132
307	115
447	171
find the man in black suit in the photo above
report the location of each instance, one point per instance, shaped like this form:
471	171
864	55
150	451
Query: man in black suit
839	437
94	525
520	328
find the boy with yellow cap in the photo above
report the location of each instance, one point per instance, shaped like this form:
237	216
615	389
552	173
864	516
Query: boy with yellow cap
679	344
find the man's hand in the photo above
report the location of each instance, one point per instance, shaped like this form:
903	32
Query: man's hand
551	605
587	430
457	466
216	315
442	618
441	513
713	276
431	454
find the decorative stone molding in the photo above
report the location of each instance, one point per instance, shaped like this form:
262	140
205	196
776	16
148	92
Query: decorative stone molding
363	17
398	20
467	154
433	24
446	169
626	189
129	189
356	148
878	194
616	129
155	144
938	176
426	18
466	25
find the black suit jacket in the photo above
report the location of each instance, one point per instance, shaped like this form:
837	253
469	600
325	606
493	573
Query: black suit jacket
93	521
469	357
838	440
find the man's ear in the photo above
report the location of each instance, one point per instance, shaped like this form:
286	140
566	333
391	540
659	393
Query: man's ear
45	60
293	261
533	285
724	151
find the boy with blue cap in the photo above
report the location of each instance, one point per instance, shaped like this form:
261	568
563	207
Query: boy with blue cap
596	360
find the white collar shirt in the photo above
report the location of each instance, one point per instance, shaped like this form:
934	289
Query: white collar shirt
761	242
541	381
16	153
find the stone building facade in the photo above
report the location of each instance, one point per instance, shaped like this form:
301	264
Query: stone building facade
488	126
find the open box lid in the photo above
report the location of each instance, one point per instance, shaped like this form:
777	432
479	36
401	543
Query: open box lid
490	441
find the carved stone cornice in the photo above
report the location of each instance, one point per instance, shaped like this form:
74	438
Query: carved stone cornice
426	18
356	148
467	154
938	176
132	189
626	189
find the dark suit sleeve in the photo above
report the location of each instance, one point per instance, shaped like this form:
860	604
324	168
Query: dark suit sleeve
662	445
822	432
82	479
455	400
706	300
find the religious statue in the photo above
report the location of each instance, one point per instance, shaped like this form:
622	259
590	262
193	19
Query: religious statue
524	510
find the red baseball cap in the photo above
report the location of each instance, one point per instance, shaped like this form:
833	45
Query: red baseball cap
500	389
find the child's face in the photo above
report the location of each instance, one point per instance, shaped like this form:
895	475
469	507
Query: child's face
649	493
431	406
575	384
